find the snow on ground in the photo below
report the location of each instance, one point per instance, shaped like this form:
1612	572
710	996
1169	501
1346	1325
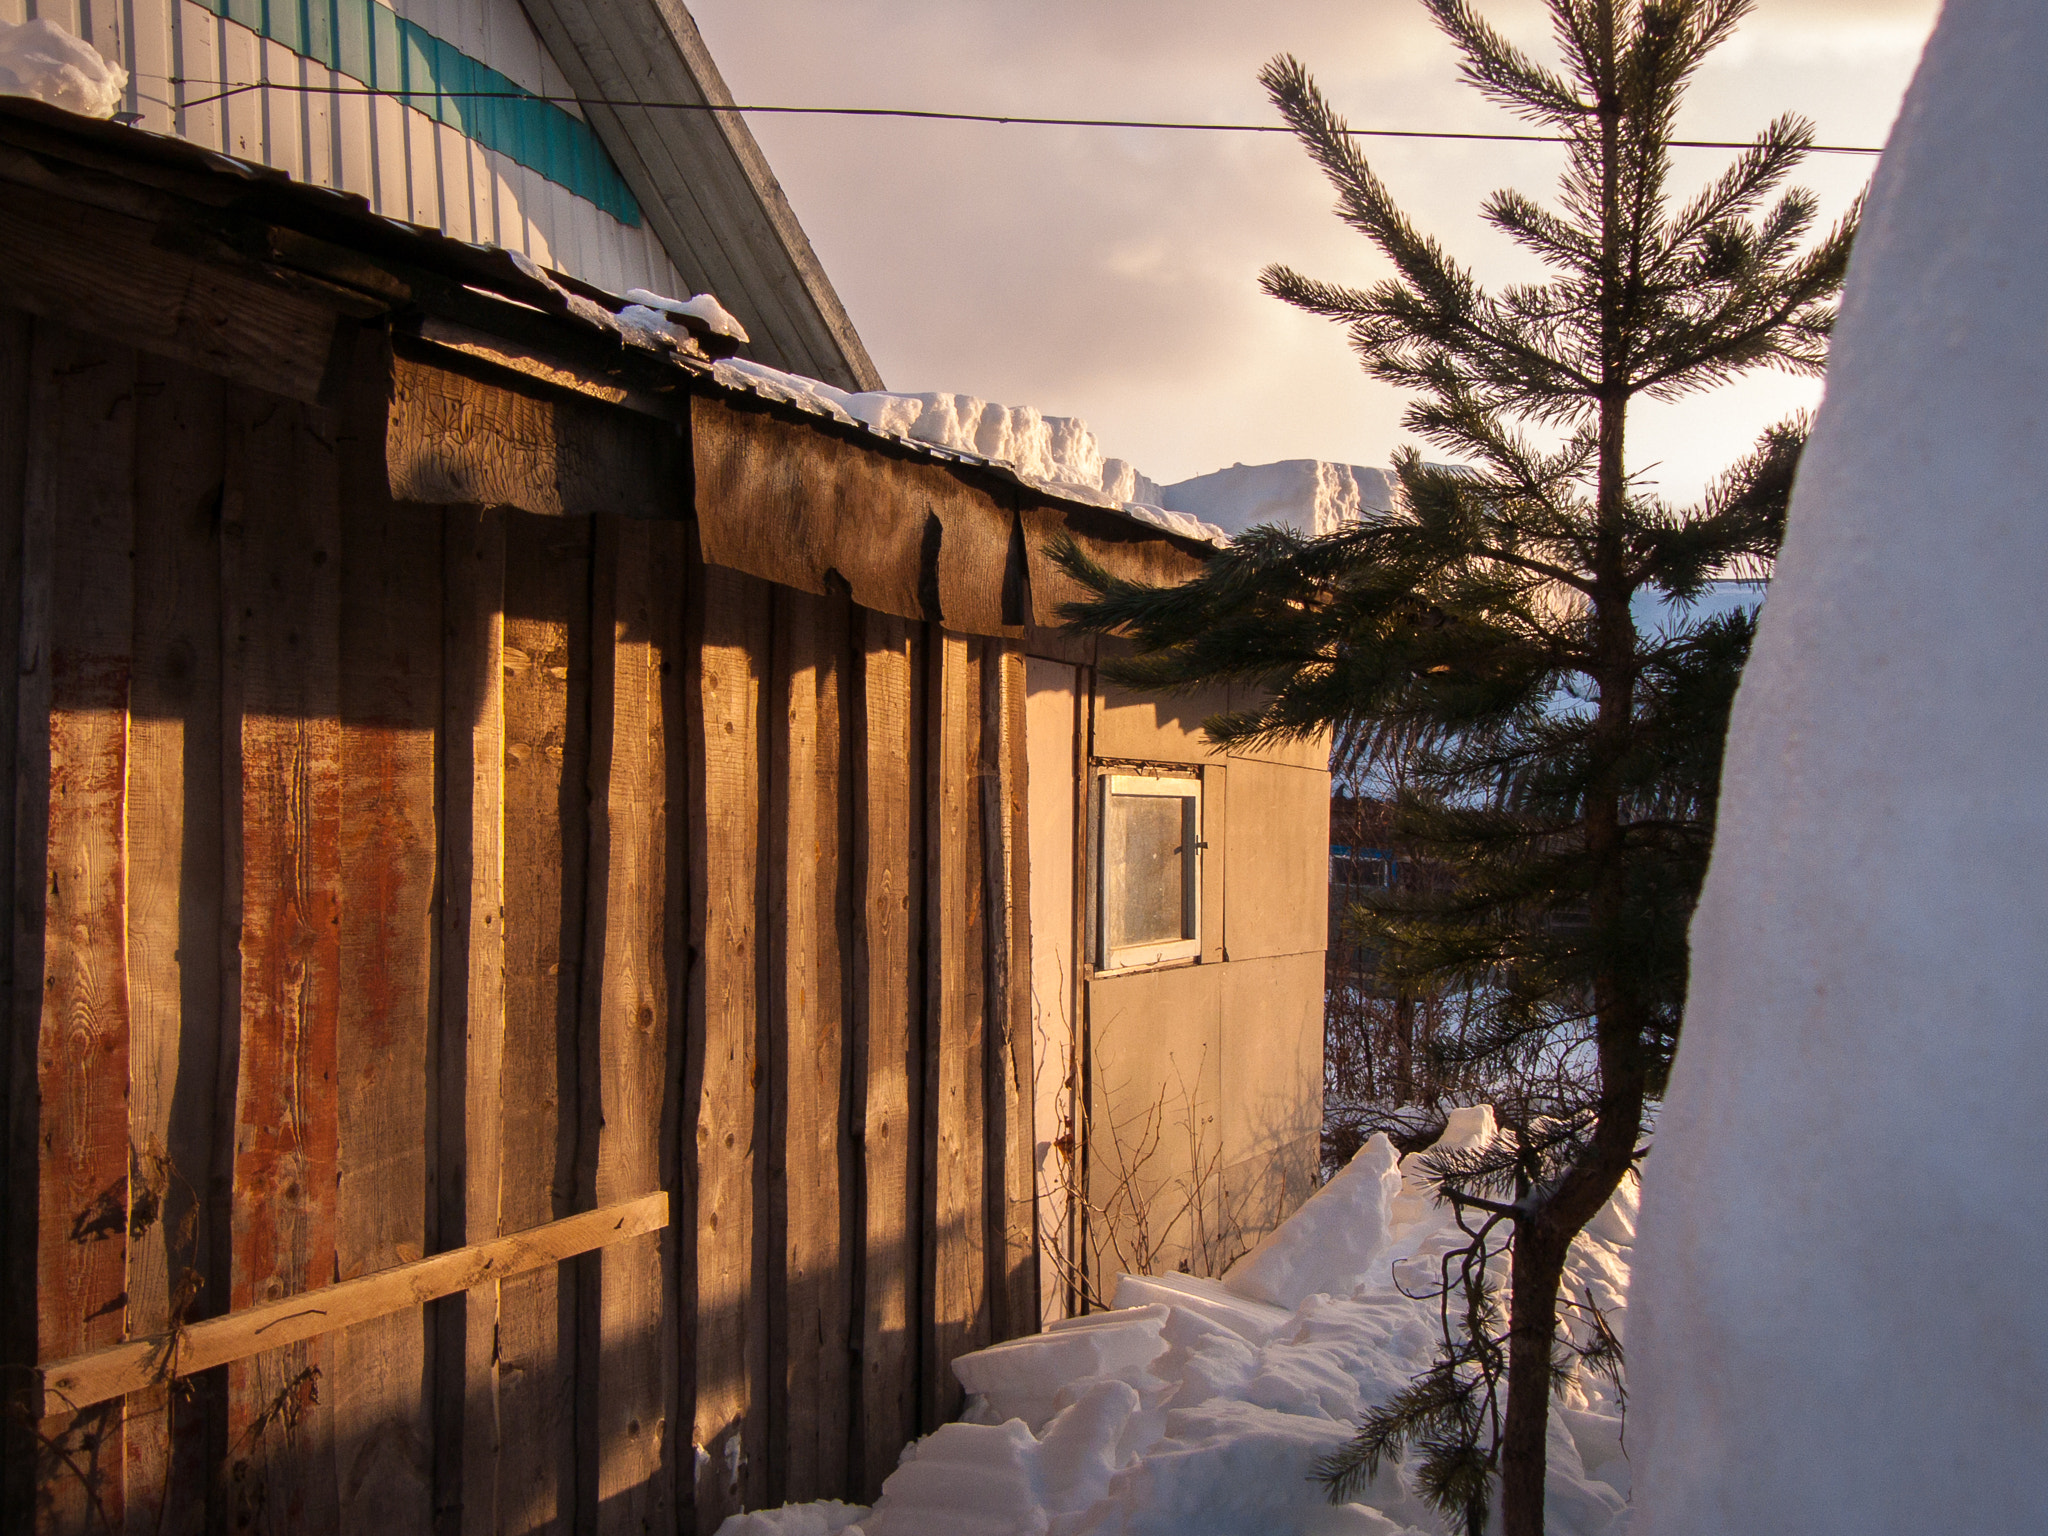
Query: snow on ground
1199	1407
40	59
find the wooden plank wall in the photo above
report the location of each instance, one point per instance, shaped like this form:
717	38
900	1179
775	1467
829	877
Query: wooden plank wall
392	878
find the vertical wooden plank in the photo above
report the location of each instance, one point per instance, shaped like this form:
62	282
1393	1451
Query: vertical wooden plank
78	549
675	591
1013	1222
956	983
281	598
472	1003
889	808
173	911
634	628
809	1379
390	715
832	1131
789	822
724	708
20	966
547	680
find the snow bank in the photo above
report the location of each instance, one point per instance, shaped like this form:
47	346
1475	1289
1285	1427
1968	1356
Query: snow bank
1200	1407
41	60
1332	1239
1841	1325
1307	495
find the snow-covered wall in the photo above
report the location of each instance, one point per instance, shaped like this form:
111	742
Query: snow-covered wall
1839	1323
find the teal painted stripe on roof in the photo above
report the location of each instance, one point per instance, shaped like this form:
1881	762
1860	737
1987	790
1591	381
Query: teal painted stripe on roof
374	44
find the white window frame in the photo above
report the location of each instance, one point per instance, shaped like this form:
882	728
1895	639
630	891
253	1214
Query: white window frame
1177	786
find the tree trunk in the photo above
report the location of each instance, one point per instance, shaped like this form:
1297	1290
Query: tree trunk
1404	1047
1534	1276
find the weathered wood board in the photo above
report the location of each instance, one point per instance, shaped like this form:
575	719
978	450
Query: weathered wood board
281	609
956	917
546	664
78	526
807	509
417	872
888	1044
174	875
724	1292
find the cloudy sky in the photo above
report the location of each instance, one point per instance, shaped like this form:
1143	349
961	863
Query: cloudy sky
1112	274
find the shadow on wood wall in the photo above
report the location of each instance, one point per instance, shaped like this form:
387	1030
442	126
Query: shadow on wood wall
395	879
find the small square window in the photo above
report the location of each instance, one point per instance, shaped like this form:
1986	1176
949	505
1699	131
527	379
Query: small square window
1149	863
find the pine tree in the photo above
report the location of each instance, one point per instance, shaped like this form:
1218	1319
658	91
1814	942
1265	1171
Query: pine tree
1484	636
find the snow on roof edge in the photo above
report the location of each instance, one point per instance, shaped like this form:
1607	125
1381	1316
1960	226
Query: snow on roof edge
858	410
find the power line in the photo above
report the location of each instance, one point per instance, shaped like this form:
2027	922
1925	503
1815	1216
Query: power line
921	115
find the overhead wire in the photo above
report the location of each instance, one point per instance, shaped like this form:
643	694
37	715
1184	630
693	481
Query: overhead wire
926	115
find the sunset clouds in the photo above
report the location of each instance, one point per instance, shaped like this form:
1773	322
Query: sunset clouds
1112	274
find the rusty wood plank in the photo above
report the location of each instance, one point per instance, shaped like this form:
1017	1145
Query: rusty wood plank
722	1289
889	810
793	504
103	273
626	1019
173	912
391	713
1013	1226
454	439
17	1055
546	662
954	1046
78	535
281	597
472	1001
134	1363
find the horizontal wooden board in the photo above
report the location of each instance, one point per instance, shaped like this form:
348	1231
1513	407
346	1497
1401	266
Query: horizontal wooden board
1121	545
453	439
101	273
127	1367
797	505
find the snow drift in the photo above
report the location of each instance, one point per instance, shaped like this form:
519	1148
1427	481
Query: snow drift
41	60
1840	1325
1200	1407
1307	495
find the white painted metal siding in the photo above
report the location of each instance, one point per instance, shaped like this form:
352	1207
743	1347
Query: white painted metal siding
406	163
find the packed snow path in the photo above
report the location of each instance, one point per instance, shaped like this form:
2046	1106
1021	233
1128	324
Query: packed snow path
1200	1407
